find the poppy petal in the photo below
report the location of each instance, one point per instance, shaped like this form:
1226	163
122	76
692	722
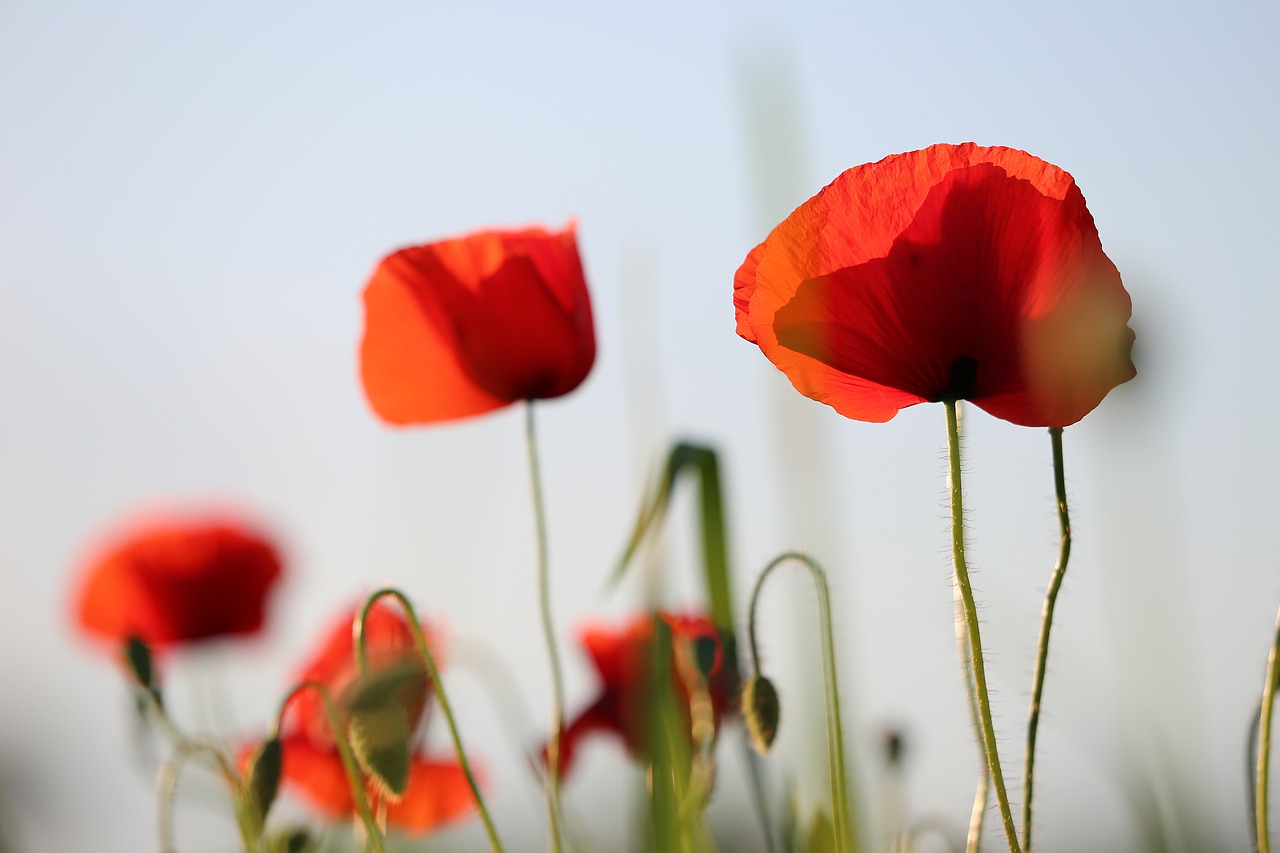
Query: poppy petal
317	774
872	294
438	793
408	362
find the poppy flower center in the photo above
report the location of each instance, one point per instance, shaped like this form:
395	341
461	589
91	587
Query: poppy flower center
964	375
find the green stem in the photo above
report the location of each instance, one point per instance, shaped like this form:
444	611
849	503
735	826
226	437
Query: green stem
167	789
978	814
186	747
548	633
1046	622
1264	743
354	780
835	735
433	672
971	620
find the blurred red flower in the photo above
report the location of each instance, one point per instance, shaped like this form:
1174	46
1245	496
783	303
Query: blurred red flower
437	793
623	659
174	580
466	325
955	272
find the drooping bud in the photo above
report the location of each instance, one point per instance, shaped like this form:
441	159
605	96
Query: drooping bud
380	730
137	657
760	710
265	768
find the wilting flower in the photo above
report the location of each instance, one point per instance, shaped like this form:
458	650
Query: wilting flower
956	272
174	580
437	792
467	325
623	659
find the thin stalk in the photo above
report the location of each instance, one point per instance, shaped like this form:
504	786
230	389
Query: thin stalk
978	814
548	633
971	620
1264	743
835	734
186	747
167	789
354	780
433	672
1046	622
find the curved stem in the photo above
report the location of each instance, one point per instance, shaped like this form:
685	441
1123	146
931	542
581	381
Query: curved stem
167	789
186	747
354	780
433	672
1264	743
835	735
548	633
1046	622
971	620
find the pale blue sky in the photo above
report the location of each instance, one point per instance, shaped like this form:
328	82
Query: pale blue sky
192	197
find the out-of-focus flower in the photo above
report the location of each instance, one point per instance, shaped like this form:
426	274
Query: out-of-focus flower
172	580
437	791
466	325
955	272
623	659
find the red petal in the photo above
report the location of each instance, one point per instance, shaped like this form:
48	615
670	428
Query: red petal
462	326
438	793
316	772
172	580
898	268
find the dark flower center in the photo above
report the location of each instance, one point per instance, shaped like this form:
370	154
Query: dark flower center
964	375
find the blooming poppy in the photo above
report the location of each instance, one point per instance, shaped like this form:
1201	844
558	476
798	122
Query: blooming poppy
466	325
174	580
437	790
955	272
623	660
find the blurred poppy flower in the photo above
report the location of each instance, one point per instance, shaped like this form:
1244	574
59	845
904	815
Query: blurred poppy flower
955	272
623	659
437	791
466	325
174	580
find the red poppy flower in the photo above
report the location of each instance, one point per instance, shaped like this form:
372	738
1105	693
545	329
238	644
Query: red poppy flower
956	272
175	580
467	325
623	662
438	791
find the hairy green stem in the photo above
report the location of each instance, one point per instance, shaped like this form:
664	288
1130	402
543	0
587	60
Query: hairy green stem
433	672
835	734
1046	623
971	620
354	779
1264	743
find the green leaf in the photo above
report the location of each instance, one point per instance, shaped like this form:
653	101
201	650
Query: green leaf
704	464
821	837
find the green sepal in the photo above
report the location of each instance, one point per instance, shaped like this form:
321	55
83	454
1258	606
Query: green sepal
378	689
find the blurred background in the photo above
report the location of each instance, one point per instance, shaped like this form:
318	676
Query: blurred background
193	195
